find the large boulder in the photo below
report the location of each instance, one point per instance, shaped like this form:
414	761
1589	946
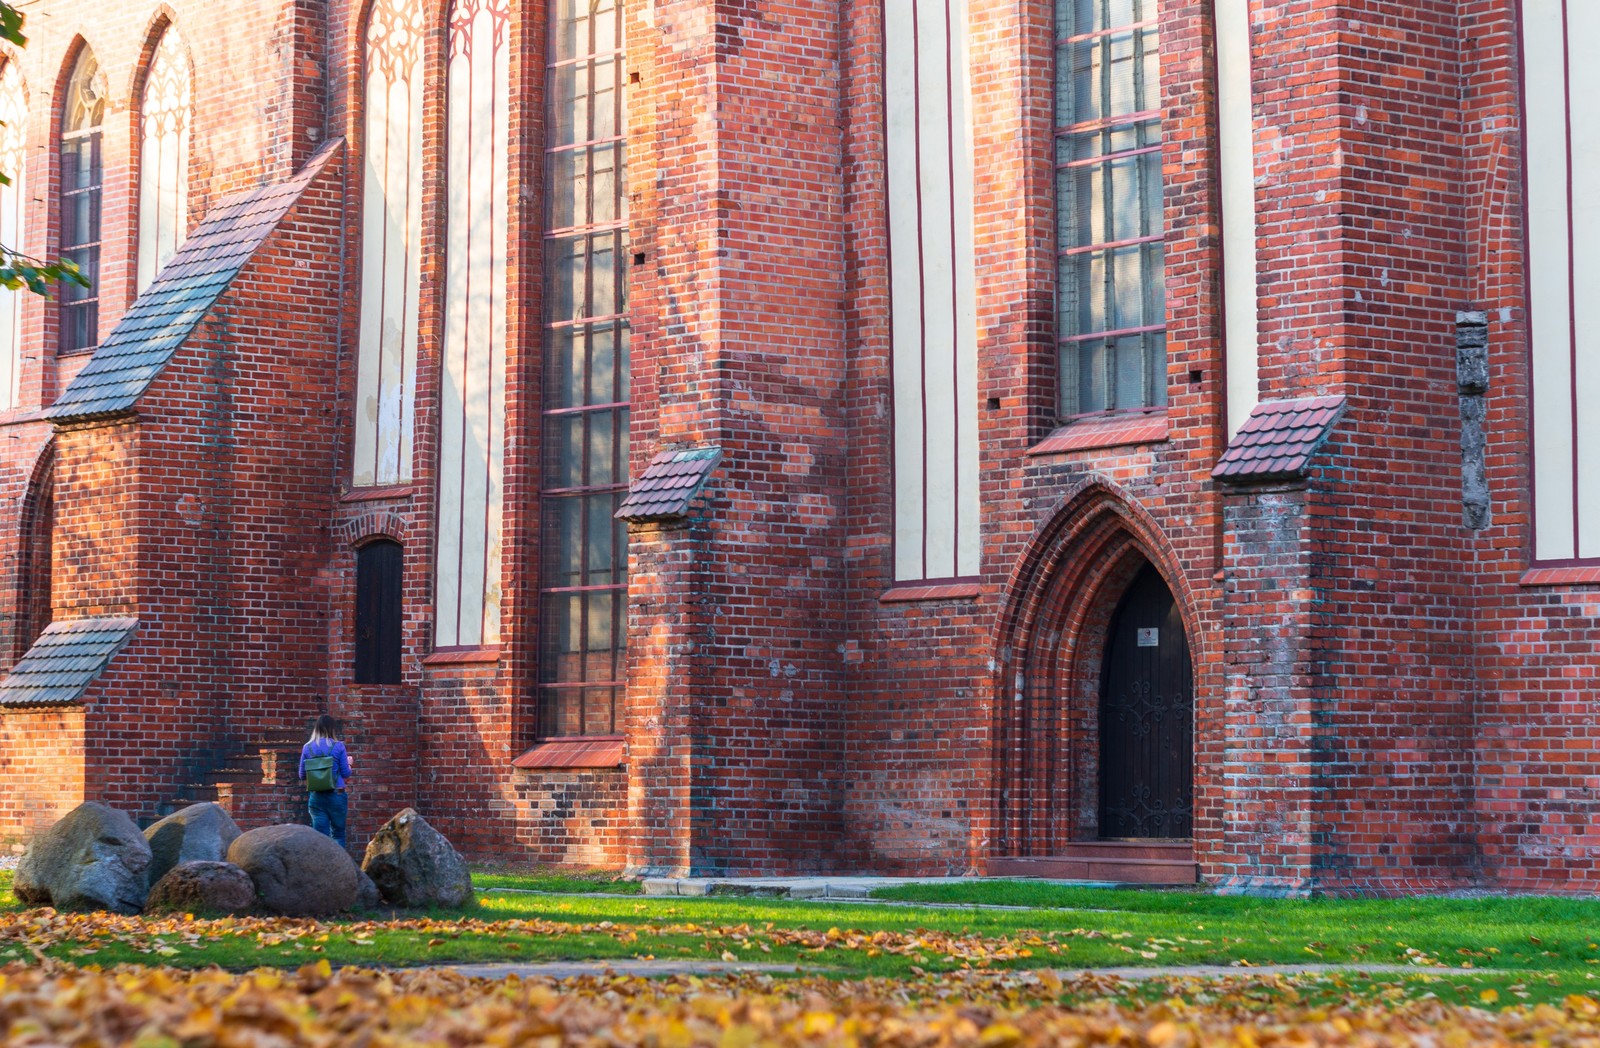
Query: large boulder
367	896
297	871
93	859
198	833
204	888
414	865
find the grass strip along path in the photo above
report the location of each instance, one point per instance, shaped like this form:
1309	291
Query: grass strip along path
1535	959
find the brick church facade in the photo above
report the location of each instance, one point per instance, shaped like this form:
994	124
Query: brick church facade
1071	437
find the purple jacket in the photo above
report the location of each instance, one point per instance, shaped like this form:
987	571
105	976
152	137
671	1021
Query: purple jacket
327	748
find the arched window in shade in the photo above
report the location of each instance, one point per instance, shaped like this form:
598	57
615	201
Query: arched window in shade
82	111
378	612
36	546
391	258
13	129
472	388
164	156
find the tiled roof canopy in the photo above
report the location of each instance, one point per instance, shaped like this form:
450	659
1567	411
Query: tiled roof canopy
186	289
669	484
1278	439
64	661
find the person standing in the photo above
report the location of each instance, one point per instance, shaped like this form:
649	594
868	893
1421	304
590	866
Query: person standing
326	799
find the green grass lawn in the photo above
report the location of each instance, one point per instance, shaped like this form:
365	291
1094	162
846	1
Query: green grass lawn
1523	949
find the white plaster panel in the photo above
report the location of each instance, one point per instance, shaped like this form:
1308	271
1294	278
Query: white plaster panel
1549	276
1583	24
968	545
391	258
473	395
939	330
1236	126
500	232
932	287
13	125
905	249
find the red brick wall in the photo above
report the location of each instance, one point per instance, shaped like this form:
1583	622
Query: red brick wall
212	528
42	765
1383	700
1537	762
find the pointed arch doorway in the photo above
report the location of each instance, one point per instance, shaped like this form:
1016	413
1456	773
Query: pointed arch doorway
1147	718
1096	777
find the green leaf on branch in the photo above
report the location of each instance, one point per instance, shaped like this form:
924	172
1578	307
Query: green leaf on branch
11	25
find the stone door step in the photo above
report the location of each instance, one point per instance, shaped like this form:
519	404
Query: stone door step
1122	862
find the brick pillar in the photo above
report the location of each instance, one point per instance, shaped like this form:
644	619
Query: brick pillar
1268	758
735	672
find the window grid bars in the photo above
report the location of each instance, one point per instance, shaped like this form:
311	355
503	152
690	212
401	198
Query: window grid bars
563	701
1150	359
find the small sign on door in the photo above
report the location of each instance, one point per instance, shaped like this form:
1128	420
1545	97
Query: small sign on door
1150	638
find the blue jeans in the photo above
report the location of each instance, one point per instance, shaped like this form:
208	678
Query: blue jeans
328	810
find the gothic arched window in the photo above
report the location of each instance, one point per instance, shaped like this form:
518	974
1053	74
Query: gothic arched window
164	156
82	111
473	379
13	129
391	237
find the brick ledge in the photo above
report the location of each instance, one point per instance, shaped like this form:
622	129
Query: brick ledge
1566	575
587	751
453	656
941	591
1110	431
388	491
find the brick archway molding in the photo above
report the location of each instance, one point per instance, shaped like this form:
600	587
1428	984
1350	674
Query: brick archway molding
1048	652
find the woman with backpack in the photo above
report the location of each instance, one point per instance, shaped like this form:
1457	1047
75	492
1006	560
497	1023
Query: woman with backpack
324	765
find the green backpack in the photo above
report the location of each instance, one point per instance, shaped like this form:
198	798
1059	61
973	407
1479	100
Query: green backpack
319	774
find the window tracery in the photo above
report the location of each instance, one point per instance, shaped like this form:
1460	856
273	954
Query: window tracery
391	261
83	111
164	160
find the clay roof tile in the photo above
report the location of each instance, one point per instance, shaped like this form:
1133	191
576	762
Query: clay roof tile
1279	438
166	312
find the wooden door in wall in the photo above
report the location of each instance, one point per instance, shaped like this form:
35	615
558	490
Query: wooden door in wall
1147	718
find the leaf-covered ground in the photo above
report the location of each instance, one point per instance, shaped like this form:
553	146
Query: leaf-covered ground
166	1008
1438	971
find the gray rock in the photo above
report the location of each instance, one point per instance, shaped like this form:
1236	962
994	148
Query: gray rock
297	871
93	859
414	865
202	888
198	833
367	895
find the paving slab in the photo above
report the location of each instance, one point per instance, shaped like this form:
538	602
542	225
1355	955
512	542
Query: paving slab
650	969
784	887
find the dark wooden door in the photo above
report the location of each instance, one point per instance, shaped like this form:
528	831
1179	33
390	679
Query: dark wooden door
1147	717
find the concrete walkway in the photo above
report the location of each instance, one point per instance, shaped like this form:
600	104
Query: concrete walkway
797	887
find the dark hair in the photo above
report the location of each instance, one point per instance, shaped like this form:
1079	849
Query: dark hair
326	728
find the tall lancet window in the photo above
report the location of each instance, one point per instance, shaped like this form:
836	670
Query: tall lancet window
472	390
13	128
164	157
584	475
391	258
83	109
1111	301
